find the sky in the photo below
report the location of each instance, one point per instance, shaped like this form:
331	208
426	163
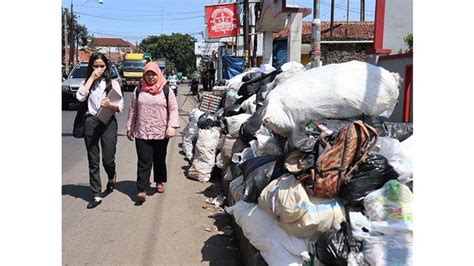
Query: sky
133	20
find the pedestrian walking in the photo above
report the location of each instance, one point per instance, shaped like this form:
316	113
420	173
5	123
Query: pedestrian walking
211	75
152	120
205	78
97	85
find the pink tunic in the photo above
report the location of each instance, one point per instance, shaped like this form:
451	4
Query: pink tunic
148	119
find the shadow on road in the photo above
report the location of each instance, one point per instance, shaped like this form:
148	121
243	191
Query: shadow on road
70	135
129	188
78	191
222	247
81	191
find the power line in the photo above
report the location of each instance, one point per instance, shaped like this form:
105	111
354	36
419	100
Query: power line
131	20
145	11
351	9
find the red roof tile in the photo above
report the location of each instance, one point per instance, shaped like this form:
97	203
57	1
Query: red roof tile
354	30
116	42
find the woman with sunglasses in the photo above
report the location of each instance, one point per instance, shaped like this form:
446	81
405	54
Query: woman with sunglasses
94	89
152	120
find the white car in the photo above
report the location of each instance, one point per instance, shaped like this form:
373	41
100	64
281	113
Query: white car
73	81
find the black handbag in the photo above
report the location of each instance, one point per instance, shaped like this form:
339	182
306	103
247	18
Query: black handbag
79	121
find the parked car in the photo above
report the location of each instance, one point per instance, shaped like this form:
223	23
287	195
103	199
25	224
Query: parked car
73	81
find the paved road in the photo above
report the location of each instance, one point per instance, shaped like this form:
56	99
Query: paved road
169	229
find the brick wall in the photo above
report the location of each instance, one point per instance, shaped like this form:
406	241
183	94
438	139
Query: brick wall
342	52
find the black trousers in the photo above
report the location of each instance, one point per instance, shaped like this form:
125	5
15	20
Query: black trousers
150	153
212	81
95	131
205	84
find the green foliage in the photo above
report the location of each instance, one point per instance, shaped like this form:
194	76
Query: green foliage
409	41
177	48
80	31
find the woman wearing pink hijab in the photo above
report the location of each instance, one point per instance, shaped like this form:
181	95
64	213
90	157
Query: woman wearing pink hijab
152	120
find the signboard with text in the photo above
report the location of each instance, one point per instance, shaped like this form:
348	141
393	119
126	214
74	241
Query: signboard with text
222	20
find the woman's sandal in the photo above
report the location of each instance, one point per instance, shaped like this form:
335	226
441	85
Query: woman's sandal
160	188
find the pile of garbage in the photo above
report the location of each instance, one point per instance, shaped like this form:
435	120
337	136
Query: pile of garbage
314	172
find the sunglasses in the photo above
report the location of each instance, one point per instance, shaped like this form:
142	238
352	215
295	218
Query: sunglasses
98	66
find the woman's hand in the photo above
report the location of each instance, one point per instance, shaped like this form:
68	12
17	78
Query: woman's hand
130	136
106	103
97	73
170	132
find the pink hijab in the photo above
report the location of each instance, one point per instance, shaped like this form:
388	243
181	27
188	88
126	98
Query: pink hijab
153	89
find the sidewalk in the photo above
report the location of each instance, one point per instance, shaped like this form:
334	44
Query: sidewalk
168	229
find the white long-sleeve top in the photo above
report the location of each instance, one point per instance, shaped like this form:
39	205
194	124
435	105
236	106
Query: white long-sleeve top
97	93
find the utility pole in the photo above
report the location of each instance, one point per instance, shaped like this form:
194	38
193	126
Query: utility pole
316	35
347	16
332	18
65	41
246	32
362	10
71	38
77	48
256	7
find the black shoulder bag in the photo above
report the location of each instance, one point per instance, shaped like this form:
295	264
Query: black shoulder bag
79	121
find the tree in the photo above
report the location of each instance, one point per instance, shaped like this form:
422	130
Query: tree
80	31
409	41
177	48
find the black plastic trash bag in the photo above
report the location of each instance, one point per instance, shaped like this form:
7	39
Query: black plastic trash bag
400	131
249	127
221	82
258	79
258	173
371	175
235	108
206	121
332	248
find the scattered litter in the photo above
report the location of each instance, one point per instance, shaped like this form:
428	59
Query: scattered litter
217	201
211	229
225	232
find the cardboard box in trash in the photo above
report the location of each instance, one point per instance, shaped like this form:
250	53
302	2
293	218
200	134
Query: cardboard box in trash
210	103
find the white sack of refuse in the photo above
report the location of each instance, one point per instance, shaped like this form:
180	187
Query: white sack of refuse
333	91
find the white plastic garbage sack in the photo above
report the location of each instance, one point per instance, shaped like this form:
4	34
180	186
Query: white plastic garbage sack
234	122
231	97
241	157
236	188
299	214
267	144
227	150
289	69
393	247
205	153
249	105
321	216
235	82
396	157
280	199
388	250
190	132
391	202
264	233
266	68
333	91
219	161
